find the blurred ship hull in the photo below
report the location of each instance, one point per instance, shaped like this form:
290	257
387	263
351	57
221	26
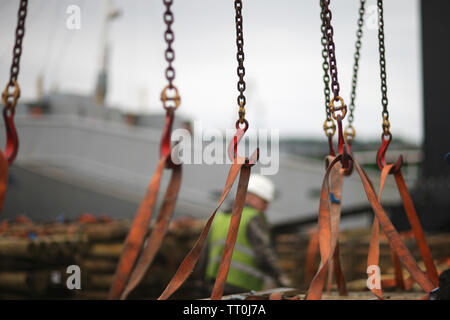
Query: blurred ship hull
76	157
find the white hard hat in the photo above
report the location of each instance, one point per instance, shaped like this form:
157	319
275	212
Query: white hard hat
261	186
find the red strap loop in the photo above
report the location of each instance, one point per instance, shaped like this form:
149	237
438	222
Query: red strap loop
381	154
232	147
343	149
331	146
12	139
165	145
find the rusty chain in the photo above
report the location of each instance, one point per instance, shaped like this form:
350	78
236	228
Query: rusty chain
384	100
10	99
241	100
350	132
326	18
328	126
172	101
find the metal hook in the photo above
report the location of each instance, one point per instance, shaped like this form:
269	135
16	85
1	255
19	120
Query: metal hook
344	150
232	148
381	154
12	139
165	145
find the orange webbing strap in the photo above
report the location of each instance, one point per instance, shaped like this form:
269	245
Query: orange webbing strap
158	232
416	228
336	179
225	262
136	235
327	231
328	240
189	262
335	264
311	251
339	274
3	178
398	273
330	275
394	238
374	247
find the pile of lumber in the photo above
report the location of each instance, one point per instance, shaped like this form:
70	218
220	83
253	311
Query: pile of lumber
105	247
354	246
36	267
34	258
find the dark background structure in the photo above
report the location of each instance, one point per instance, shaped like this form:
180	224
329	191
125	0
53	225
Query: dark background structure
433	189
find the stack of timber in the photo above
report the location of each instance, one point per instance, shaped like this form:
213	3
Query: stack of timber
34	258
100	262
354	246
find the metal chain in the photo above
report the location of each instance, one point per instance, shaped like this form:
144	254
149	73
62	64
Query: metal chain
174	101
241	100
328	126
326	18
330	47
350	130
10	99
384	100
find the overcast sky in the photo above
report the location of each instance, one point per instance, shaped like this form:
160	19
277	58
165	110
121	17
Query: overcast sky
282	59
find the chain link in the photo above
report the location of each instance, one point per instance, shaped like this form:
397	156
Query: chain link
381	48
173	101
326	16
169	37
241	100
328	126
350	130
10	99
359	34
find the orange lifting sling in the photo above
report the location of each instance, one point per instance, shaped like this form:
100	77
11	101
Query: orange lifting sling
241	166
395	169
328	224
10	97
329	127
129	272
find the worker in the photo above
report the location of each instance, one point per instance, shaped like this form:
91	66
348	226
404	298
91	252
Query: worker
254	259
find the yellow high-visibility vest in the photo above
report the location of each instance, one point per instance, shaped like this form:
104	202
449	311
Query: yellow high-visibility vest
243	270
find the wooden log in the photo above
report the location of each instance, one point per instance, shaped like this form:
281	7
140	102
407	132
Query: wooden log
287	265
106	232
185	228
100	281
106	250
157	276
20	248
93	265
31	282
